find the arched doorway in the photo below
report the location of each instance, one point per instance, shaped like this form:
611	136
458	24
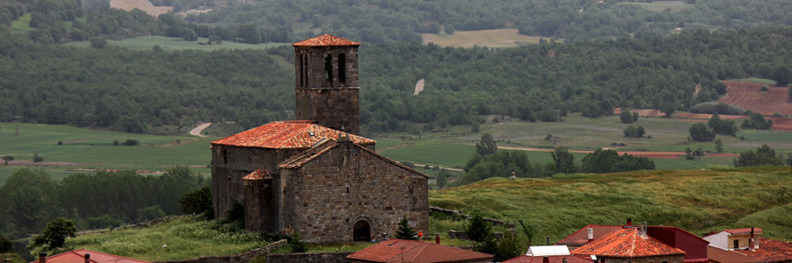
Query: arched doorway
361	231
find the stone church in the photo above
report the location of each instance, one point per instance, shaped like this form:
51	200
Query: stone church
314	175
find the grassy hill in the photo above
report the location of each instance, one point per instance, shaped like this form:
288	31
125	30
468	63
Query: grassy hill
695	200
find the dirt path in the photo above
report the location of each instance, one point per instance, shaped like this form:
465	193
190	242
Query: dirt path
197	130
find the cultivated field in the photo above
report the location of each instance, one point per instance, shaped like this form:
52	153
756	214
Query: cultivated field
144	5
748	95
494	38
661	6
174	43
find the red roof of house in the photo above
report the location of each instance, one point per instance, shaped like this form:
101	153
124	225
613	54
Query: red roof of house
627	243
326	40
78	256
260	174
580	237
552	259
399	250
725	256
743	231
287	135
771	250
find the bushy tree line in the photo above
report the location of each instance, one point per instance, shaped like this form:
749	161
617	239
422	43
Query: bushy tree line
251	87
764	155
609	161
31	198
571	20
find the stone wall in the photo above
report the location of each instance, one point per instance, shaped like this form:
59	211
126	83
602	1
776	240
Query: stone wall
348	184
231	163
336	108
242	257
330	257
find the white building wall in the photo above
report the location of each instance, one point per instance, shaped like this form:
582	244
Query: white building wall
719	240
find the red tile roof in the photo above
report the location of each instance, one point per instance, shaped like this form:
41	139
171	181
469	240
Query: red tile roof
326	40
552	259
580	237
743	231
398	250
627	243
287	135
78	256
260	174
771	250
725	256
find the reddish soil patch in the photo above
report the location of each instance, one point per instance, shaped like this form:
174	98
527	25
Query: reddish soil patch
781	123
749	96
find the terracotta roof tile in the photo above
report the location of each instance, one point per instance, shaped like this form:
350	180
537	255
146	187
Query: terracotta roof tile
398	250
725	256
627	243
260	174
771	250
326	40
78	256
580	237
287	135
743	231
552	259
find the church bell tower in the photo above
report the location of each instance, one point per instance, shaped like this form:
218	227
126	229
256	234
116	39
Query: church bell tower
326	84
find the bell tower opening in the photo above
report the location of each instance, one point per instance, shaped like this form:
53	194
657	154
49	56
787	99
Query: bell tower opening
361	231
326	86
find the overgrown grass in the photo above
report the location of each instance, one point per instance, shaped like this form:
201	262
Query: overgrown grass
757	80
174	43
695	200
183	238
493	38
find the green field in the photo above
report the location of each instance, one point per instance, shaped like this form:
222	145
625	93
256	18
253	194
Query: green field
86	148
695	200
21	24
175	43
493	38
661	6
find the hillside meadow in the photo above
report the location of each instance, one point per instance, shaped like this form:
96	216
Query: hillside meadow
695	200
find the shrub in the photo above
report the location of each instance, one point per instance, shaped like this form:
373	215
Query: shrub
627	117
719	108
700	132
56	232
756	121
296	243
634	132
37	158
6	245
720	126
131	142
198	202
764	155
405	231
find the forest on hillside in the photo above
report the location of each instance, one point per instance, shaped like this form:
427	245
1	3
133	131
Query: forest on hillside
135	91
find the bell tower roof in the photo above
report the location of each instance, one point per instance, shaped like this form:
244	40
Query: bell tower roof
326	40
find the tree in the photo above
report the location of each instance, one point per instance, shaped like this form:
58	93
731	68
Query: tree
782	75
486	146
441	177
478	230
720	126
37	158
405	231
764	155
6	245
564	161
98	42
296	243
719	145
56	232
634	132
756	121
628	117
508	247
198	202
608	161
7	158
700	132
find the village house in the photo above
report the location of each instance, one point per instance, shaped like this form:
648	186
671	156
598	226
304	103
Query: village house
314	175
416	251
85	256
746	245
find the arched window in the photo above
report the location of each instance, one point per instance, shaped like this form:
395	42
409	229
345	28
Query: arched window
342	68
329	67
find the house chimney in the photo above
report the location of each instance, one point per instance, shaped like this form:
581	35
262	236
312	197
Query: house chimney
643	228
437	238
87	258
547	240
590	231
546	260
751	240
42	257
629	221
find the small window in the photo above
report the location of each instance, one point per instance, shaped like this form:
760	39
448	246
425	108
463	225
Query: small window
329	67
736	244
342	68
305	70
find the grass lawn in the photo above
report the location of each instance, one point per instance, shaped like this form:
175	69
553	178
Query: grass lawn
757	80
175	43
493	38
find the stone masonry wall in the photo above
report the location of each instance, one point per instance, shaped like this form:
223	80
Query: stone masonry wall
336	108
330	257
347	184
231	163
242	257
